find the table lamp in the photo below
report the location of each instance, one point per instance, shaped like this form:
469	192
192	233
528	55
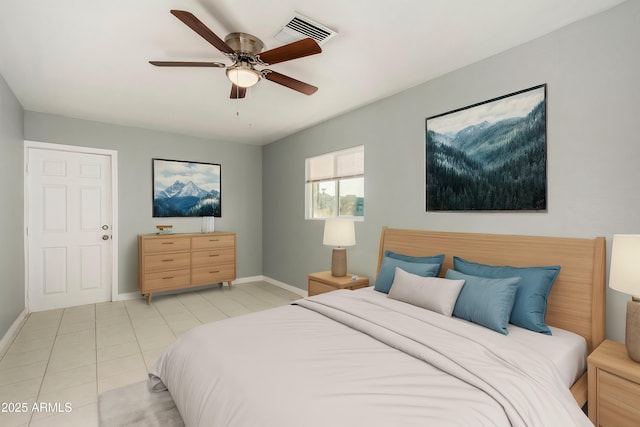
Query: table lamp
624	276
339	232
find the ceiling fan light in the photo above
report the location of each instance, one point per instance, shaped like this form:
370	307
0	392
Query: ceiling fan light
243	76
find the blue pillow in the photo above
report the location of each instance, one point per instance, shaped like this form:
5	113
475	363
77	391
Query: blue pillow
487	302
434	259
530	307
388	271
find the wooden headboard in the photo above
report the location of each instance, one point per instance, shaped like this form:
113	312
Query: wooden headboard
577	299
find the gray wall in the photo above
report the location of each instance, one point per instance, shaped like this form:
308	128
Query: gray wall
11	208
591	69
241	175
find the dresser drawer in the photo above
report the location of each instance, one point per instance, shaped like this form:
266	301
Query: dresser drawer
214	256
213	242
166	261
166	280
214	274
618	401
316	288
168	244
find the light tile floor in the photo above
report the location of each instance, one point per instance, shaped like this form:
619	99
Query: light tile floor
72	355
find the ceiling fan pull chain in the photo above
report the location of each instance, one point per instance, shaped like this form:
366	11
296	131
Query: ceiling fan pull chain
238	103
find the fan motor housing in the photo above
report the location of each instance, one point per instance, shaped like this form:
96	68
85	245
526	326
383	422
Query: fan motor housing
244	43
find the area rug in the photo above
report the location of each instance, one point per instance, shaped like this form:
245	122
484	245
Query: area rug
136	405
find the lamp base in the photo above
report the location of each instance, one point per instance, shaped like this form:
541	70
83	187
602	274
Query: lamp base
632	335
339	262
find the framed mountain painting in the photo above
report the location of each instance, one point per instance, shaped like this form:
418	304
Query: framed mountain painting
490	156
184	189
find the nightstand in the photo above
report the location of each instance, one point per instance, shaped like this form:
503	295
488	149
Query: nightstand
323	281
614	386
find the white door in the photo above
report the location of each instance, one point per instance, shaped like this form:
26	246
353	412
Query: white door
69	228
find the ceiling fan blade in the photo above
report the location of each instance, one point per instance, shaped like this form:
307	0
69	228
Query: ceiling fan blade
196	25
237	92
289	82
187	64
299	49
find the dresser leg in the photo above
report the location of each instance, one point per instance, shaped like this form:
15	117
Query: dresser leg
149	298
229	283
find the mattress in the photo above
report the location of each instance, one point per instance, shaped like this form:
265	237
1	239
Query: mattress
357	358
567	350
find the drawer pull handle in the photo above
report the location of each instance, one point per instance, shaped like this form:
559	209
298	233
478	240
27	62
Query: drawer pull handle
212	255
167	243
167	260
215	271
167	278
214	240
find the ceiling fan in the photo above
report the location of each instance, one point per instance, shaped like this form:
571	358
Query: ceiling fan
245	50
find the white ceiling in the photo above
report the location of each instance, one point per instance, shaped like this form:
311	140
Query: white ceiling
88	58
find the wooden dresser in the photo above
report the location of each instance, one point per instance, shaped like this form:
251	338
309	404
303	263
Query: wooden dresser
168	262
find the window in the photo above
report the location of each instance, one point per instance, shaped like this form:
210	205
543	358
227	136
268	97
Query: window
335	184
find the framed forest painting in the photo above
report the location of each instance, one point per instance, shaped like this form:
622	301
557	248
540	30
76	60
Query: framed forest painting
490	156
185	189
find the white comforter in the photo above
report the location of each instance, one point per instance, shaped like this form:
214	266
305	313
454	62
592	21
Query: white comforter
349	359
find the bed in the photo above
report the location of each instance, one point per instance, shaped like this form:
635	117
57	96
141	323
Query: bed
350	358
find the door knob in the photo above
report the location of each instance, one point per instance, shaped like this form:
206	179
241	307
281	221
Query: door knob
105	237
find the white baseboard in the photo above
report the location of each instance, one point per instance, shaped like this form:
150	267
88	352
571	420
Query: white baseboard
127	296
286	286
240	281
249	279
8	338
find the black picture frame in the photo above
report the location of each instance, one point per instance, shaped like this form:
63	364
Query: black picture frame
489	156
186	189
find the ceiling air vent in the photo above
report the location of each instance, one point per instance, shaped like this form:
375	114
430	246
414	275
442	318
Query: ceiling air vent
300	27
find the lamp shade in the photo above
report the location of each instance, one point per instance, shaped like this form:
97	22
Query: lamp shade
339	232
624	274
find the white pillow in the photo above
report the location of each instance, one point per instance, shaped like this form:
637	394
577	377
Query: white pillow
432	293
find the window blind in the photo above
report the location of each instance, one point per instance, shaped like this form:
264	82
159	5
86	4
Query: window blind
343	164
